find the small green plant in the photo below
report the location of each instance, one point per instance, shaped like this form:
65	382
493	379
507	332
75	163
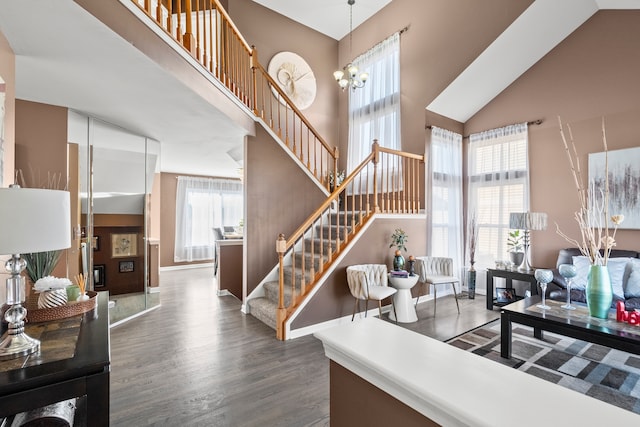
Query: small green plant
398	239
41	264
515	241
335	179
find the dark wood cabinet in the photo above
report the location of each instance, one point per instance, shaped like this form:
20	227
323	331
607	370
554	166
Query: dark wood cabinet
85	375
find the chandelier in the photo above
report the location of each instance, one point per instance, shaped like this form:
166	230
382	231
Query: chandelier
348	76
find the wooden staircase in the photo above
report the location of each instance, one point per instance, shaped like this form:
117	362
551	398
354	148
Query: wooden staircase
265	308
387	181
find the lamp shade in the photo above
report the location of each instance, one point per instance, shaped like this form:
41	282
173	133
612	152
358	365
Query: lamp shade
34	220
528	221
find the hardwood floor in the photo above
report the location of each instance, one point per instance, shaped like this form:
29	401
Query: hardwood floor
197	360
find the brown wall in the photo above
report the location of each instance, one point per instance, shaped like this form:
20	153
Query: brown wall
592	74
443	38
8	74
41	153
272	33
334	300
115	281
349	391
279	197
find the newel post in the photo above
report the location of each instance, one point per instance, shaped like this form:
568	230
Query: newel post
376	158
281	248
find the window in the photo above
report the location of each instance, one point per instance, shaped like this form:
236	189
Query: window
201	205
445	164
498	172
374	110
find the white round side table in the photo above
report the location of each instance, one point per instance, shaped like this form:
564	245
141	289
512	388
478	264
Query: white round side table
402	299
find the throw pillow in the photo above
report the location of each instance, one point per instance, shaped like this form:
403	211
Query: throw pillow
631	279
582	264
616	268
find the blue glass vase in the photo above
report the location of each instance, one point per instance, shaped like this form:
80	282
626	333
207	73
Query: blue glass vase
599	291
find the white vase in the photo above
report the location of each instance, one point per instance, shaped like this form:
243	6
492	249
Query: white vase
52	298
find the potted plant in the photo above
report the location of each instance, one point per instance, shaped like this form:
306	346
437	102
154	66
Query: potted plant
515	243
398	239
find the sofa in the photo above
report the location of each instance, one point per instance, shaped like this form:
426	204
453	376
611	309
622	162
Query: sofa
624	270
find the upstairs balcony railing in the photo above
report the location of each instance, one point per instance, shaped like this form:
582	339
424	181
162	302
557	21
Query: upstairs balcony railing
387	181
206	31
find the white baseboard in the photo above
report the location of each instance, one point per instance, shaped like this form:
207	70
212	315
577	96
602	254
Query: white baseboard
187	266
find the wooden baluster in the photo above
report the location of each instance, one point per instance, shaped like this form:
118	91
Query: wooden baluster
293	275
147	7
313	255
376	159
253	57
188	39
158	12
179	23
315	233
212	31
169	21
281	248
303	282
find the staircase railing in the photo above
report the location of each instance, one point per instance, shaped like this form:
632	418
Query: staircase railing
210	36
387	181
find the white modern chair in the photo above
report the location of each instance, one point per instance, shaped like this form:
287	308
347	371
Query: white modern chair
369	282
436	271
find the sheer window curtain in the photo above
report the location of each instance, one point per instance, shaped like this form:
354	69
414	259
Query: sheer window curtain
445	221
498	173
374	110
201	205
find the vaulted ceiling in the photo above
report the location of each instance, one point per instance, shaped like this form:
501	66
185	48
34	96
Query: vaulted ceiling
100	71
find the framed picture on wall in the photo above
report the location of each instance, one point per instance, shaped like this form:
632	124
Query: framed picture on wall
124	245
125	266
98	276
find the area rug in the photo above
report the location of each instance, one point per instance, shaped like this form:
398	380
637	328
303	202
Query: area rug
600	372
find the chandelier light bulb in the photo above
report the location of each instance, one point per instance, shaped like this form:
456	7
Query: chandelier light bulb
348	76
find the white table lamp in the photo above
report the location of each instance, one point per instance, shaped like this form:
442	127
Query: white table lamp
31	220
527	221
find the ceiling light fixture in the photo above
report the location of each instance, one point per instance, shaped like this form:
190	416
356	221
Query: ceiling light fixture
348	76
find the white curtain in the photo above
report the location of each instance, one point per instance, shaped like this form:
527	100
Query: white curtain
445	221
201	205
498	173
374	110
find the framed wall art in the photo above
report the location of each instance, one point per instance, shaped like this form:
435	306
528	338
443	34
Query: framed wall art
98	276
624	182
125	266
124	245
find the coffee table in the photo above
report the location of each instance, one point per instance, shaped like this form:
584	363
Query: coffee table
571	323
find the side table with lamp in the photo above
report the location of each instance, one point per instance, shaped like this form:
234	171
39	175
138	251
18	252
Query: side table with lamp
32	373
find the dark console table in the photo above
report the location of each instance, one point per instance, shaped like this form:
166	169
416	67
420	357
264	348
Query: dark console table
85	374
509	276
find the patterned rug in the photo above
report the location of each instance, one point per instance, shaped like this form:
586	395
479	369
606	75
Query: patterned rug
600	372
